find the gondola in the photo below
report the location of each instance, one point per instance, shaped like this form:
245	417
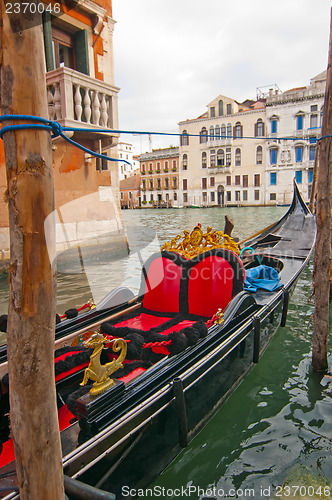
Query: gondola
186	341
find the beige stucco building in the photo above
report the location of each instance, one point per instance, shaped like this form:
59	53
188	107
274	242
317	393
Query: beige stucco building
219	165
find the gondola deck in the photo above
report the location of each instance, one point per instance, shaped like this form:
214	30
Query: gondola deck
185	362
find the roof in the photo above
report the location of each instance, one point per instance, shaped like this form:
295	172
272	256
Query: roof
132	182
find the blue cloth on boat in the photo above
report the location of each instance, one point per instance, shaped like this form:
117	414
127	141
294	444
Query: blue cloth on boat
261	277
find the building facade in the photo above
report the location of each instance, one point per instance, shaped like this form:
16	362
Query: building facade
81	93
295	114
219	165
130	192
126	152
160	178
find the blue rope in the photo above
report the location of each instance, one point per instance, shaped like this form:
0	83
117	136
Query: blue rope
54	127
57	130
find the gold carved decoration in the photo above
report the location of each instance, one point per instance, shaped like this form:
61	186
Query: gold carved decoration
101	373
191	244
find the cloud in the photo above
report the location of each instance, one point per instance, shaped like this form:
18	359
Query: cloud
172	58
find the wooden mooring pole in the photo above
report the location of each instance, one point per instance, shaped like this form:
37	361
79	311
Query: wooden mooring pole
31	316
322	262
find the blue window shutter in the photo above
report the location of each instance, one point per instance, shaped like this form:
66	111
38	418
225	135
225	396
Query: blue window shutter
298	176
273	156
299	154
81	46
273	178
274	126
311	176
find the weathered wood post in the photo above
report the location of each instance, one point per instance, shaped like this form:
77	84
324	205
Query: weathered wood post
31	322
322	262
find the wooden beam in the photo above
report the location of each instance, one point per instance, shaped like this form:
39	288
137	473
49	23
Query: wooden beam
322	262
31	325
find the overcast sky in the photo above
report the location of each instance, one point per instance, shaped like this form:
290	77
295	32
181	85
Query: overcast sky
172	57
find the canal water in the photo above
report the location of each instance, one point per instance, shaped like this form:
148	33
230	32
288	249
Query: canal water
273	437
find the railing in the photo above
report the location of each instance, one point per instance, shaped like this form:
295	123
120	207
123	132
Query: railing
75	98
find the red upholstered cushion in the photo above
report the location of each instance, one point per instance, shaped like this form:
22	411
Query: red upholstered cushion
162	285
143	322
210	285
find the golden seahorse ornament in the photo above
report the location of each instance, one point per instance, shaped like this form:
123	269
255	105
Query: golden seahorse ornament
98	372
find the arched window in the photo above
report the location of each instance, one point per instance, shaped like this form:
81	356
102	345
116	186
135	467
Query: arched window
259	155
203	136
221	108
217	133
229	130
221	158
238	130
184	138
259	128
184	162
223	131
204	160
238	157
211	133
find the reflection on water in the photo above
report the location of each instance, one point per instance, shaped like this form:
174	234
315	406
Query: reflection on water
276	426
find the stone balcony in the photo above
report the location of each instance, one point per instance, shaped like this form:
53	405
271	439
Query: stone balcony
77	100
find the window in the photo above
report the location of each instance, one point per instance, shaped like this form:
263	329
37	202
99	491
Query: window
237	196
212	181
256	195
220	158
211	133
257	180
228	180
238	157
273	178
229	130
229	195
238	130
313	120
237	180
212	112
223	131
151	184
204	183
274	125
166	166
217	133
63	48
312	153
310	176
175	196
212	196
158	167
245	182
166	183
185	198
184	162
144	184
221	108
143	168
174	165
259	128
229	109
273	196
184	138
158	184
204	160
245	195
204	196
212	158
298	176
299	154
299	122
203	136
228	157
184	184
273	156
259	155
151	197
174	183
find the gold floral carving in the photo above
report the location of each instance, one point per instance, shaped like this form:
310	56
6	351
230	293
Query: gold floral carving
191	244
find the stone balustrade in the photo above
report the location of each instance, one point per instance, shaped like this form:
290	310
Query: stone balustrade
75	99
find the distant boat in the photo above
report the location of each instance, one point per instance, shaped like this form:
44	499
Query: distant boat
191	335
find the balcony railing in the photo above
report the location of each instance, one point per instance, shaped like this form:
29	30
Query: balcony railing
75	99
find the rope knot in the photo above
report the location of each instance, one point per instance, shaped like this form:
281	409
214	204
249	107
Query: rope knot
57	129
